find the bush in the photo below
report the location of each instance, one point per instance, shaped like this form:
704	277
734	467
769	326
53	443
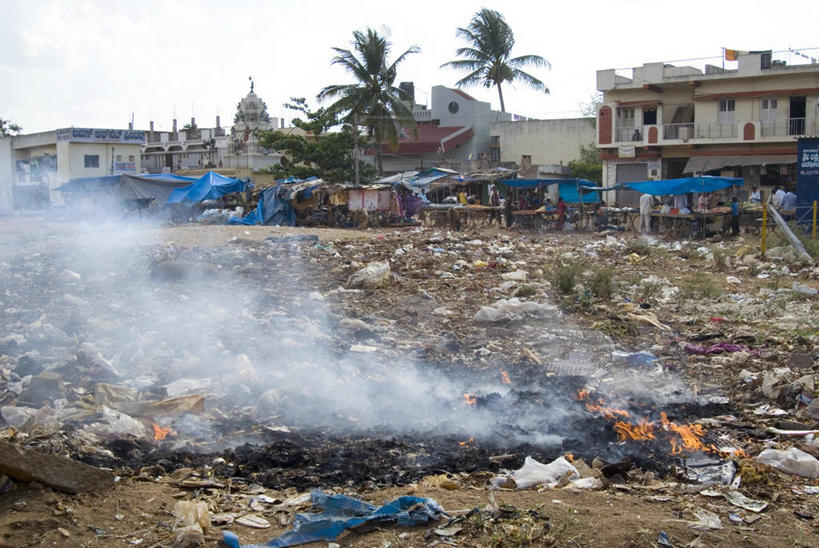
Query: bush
526	290
600	283
564	278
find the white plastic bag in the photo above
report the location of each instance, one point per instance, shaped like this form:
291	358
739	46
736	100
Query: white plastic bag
510	309
534	473
792	461
371	275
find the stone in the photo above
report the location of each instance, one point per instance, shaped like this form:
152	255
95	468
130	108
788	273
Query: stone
53	471
813	409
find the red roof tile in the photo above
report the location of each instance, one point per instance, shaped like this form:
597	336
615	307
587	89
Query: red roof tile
430	140
463	94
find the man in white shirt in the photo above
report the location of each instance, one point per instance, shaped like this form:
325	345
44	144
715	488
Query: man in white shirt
756	196
646	202
681	201
777	197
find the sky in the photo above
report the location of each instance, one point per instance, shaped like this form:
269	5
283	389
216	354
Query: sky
95	63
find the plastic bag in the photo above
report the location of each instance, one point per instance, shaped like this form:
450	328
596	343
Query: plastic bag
534	473
792	461
510	309
371	275
192	513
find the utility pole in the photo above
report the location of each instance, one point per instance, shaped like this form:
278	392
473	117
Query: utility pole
355	146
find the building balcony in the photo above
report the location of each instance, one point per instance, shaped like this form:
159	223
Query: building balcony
742	131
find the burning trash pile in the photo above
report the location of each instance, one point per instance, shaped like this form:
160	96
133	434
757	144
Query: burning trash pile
248	374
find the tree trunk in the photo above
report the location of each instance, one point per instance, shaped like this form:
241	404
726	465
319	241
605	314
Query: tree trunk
378	159
500	94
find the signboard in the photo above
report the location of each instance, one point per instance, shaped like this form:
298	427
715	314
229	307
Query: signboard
654	169
125	166
626	151
807	189
88	135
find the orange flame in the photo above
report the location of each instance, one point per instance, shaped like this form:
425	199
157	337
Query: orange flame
505	377
470	399
608	412
159	432
467	442
627	431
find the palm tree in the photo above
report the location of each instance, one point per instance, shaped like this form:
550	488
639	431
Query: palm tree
488	55
373	100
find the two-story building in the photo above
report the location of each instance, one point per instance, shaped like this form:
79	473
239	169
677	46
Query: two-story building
33	165
664	121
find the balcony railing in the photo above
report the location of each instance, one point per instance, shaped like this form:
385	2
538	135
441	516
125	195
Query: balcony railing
154	138
422	115
682	132
715	130
193	134
787	126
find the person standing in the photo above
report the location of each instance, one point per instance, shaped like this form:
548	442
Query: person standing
734	216
494	203
507	208
561	213
756	196
646	203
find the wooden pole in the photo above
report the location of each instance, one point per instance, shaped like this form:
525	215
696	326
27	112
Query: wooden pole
764	227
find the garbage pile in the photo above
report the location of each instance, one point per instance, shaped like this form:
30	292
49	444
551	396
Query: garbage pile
412	358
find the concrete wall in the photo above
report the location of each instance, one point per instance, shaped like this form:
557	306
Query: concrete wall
548	142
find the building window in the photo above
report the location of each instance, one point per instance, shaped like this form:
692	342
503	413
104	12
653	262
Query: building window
768	110
130	157
92	160
119	157
650	116
625	117
726	111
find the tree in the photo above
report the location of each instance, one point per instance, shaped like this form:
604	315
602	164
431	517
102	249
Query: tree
328	156
8	128
588	166
589	110
372	101
488	55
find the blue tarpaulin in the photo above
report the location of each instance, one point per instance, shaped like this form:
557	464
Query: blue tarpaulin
535	183
273	209
340	513
208	187
685	185
571	192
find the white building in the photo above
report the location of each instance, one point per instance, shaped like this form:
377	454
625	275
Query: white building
33	165
203	148
453	132
541	142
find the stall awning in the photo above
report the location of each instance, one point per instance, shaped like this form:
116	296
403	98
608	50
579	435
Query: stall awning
685	185
701	164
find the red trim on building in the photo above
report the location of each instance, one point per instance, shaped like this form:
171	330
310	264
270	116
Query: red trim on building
709	96
748	132
604	126
652	135
638	103
463	94
745	152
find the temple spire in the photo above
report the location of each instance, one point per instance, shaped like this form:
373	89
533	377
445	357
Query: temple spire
251	83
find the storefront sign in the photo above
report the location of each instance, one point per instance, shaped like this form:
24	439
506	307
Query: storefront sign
88	135
626	151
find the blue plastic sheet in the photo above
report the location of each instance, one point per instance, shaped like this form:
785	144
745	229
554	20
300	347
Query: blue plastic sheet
208	187
272	209
341	513
684	185
535	183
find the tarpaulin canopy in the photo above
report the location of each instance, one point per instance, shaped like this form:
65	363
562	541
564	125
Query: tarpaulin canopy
158	186
90	184
273	209
210	186
572	191
535	183
685	185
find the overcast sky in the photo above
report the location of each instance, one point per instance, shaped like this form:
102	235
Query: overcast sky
91	63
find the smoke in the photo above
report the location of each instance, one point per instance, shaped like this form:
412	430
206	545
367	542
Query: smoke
246	324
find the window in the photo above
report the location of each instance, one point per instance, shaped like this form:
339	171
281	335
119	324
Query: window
453	107
119	157
130	157
726	111
625	117
92	160
650	116
768	113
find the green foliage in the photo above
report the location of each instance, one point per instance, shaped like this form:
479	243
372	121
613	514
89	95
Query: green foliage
327	156
372	101
600	283
588	166
649	290
564	278
8	128
488	55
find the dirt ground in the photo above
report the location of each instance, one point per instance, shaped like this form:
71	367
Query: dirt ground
139	511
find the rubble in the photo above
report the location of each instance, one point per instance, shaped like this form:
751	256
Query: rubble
57	472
